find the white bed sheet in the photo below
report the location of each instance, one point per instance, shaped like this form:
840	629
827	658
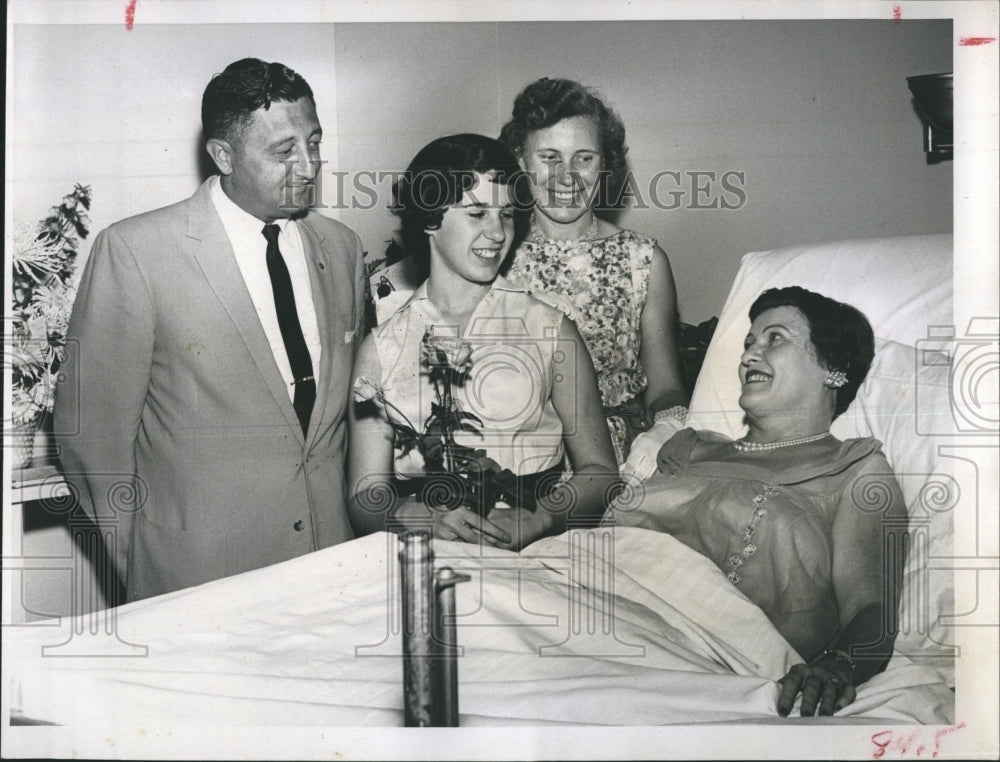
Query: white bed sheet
315	642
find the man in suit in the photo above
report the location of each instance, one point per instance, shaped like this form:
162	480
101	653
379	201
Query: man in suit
202	419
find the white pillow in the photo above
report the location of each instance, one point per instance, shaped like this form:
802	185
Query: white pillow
902	285
905	403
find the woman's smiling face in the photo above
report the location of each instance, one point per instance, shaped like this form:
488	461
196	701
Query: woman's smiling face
564	164
476	233
779	371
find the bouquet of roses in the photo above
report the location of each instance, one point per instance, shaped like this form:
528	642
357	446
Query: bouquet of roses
453	474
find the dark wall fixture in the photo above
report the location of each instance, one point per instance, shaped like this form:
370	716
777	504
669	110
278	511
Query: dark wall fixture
932	97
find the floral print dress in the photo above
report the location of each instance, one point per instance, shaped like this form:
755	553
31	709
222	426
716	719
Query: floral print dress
601	285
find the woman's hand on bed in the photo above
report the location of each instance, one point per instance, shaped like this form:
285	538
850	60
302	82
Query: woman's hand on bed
451	524
521	525
466	525
826	685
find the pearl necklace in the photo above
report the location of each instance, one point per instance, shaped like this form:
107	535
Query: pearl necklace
742	445
538	236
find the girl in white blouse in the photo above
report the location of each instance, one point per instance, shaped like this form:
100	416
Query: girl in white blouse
529	381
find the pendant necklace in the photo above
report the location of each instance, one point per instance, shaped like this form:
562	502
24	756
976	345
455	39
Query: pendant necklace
538	236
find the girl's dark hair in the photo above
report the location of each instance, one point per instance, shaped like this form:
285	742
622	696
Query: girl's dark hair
546	102
437	178
242	88
840	333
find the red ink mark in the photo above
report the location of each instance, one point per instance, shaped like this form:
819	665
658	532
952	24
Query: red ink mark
885	741
881	744
944	732
897	13
967	41
130	14
903	744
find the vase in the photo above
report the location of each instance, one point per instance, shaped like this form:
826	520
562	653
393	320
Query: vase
30	442
22	444
43	451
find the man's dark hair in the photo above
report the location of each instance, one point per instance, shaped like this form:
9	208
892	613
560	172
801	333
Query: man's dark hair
245	86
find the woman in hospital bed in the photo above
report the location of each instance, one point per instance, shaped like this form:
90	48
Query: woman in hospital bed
786	511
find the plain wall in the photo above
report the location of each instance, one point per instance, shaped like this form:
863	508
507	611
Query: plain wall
815	114
121	110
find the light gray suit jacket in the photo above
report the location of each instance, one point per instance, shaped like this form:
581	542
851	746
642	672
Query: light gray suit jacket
175	425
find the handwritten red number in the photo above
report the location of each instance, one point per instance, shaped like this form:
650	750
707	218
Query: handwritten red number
880	751
884	740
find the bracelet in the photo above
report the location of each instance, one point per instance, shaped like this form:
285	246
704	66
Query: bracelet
675	413
842	657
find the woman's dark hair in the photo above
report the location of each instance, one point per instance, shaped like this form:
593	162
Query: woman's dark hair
437	178
840	333
546	102
242	88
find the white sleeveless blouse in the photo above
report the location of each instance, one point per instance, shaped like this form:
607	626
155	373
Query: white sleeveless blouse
516	354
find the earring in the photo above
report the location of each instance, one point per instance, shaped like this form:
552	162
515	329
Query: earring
835	379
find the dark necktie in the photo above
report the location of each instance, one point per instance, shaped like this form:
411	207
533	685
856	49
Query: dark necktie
291	330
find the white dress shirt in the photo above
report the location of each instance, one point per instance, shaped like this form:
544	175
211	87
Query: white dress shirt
250	248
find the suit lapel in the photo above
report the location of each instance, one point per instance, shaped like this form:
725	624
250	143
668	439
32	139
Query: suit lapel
329	299
210	247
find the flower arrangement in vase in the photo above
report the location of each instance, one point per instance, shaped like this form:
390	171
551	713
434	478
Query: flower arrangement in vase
43	264
453	474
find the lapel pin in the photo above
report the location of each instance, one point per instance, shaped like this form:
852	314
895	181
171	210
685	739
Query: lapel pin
320	265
